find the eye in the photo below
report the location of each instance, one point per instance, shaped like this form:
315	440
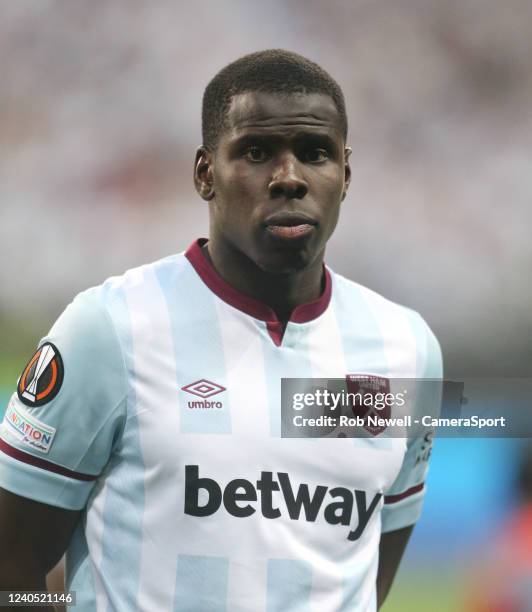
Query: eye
255	154
316	156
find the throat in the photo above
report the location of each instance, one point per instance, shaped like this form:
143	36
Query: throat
282	293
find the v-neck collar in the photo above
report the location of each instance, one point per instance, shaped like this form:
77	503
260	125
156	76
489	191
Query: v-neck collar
249	305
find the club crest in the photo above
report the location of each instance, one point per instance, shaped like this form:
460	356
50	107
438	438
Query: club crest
368	393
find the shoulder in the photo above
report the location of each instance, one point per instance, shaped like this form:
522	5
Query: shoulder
139	278
94	327
347	291
108	304
396	323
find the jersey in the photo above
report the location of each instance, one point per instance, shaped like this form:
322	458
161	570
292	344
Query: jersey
153	406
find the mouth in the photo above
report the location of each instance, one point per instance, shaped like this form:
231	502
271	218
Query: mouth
290	225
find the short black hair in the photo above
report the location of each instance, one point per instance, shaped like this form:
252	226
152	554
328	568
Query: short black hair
270	71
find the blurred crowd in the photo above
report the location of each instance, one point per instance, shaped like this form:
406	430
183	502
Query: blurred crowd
100	115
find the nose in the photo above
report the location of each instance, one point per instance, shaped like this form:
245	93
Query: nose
287	180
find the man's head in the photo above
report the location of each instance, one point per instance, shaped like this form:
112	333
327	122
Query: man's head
273	164
273	71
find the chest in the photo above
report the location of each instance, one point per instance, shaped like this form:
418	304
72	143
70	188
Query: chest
209	395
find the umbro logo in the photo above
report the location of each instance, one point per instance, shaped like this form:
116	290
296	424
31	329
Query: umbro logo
204	388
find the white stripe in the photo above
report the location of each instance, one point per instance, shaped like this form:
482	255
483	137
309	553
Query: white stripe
326	592
94	536
247	391
246	588
245	371
327	360
326	353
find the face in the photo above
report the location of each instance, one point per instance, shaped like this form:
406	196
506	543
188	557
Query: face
276	179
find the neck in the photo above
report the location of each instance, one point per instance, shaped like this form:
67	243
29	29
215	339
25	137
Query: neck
282	292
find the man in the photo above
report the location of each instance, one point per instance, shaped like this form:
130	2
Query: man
144	437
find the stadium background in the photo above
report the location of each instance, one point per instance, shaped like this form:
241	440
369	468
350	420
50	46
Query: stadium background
99	118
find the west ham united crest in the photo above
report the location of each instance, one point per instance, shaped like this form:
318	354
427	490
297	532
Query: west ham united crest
42	377
370	389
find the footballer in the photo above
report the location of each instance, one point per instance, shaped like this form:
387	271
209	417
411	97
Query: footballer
143	438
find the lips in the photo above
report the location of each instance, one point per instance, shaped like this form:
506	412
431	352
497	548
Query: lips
290	226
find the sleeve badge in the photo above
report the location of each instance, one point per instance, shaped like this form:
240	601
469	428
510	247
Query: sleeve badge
42	377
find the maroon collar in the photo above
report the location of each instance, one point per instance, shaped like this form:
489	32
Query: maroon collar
301	314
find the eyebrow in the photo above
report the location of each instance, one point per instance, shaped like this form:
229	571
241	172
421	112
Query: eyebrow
270	138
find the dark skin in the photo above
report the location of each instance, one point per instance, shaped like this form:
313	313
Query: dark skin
391	549
281	162
280	153
34	537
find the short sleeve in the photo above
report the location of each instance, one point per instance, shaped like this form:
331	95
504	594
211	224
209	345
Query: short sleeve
68	412
403	501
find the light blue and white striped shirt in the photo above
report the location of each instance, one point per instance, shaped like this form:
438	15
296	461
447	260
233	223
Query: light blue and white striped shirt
165	431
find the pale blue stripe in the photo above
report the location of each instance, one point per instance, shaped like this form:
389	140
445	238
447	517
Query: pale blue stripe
125	498
197	343
289	585
427	345
429	366
363	347
201	584
362	340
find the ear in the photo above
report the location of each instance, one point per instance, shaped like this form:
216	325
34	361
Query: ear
203	173
347	171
